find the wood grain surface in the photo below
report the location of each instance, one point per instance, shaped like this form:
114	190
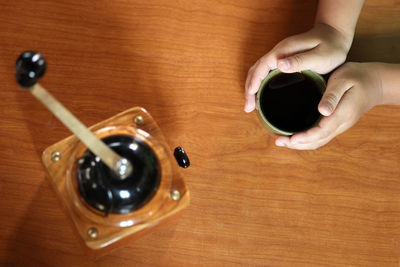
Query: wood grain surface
252	204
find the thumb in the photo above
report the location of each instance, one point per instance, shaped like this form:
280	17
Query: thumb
298	62
334	92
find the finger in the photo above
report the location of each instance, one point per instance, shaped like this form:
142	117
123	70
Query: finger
249	75
299	138
316	136
282	140
313	145
261	68
288	46
335	90
295	44
250	103
254	78
328	128
249	98
309	60
259	72
308	136
312	137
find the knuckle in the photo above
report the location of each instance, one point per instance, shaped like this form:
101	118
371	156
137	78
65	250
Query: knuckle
287	42
325	132
262	62
342	58
250	85
284	43
250	70
317	145
341	78
349	69
336	74
331	99
296	60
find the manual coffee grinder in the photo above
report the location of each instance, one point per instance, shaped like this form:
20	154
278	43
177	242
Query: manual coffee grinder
116	179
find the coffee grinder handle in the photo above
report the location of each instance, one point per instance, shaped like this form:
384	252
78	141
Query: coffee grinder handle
30	67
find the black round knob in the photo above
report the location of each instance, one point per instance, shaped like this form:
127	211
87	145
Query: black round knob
29	68
181	157
100	187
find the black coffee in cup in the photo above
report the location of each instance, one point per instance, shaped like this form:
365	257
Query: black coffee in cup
289	101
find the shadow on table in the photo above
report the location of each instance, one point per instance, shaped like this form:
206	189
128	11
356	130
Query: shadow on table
380	48
46	236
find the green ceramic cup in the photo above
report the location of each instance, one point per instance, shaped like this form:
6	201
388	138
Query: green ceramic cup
266	120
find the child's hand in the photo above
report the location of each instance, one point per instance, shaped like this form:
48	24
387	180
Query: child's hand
352	90
321	49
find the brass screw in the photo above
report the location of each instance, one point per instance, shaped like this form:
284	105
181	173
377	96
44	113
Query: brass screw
175	194
138	120
93	232
55	156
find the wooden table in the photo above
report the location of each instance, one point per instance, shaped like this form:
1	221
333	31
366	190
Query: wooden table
252	203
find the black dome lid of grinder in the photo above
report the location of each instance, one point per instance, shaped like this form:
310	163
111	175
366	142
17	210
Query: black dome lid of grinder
104	191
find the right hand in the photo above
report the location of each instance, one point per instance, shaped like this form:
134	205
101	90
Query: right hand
320	49
352	90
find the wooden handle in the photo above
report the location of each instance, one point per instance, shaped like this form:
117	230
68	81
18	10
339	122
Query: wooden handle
121	166
30	67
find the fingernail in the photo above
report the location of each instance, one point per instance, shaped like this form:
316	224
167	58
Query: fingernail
283	64
247	108
327	108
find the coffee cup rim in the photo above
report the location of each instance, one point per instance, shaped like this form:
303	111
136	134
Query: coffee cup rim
318	79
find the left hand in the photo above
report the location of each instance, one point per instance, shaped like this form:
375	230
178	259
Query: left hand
321	49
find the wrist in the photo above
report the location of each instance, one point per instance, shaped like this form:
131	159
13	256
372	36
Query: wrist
345	38
341	15
389	77
376	73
